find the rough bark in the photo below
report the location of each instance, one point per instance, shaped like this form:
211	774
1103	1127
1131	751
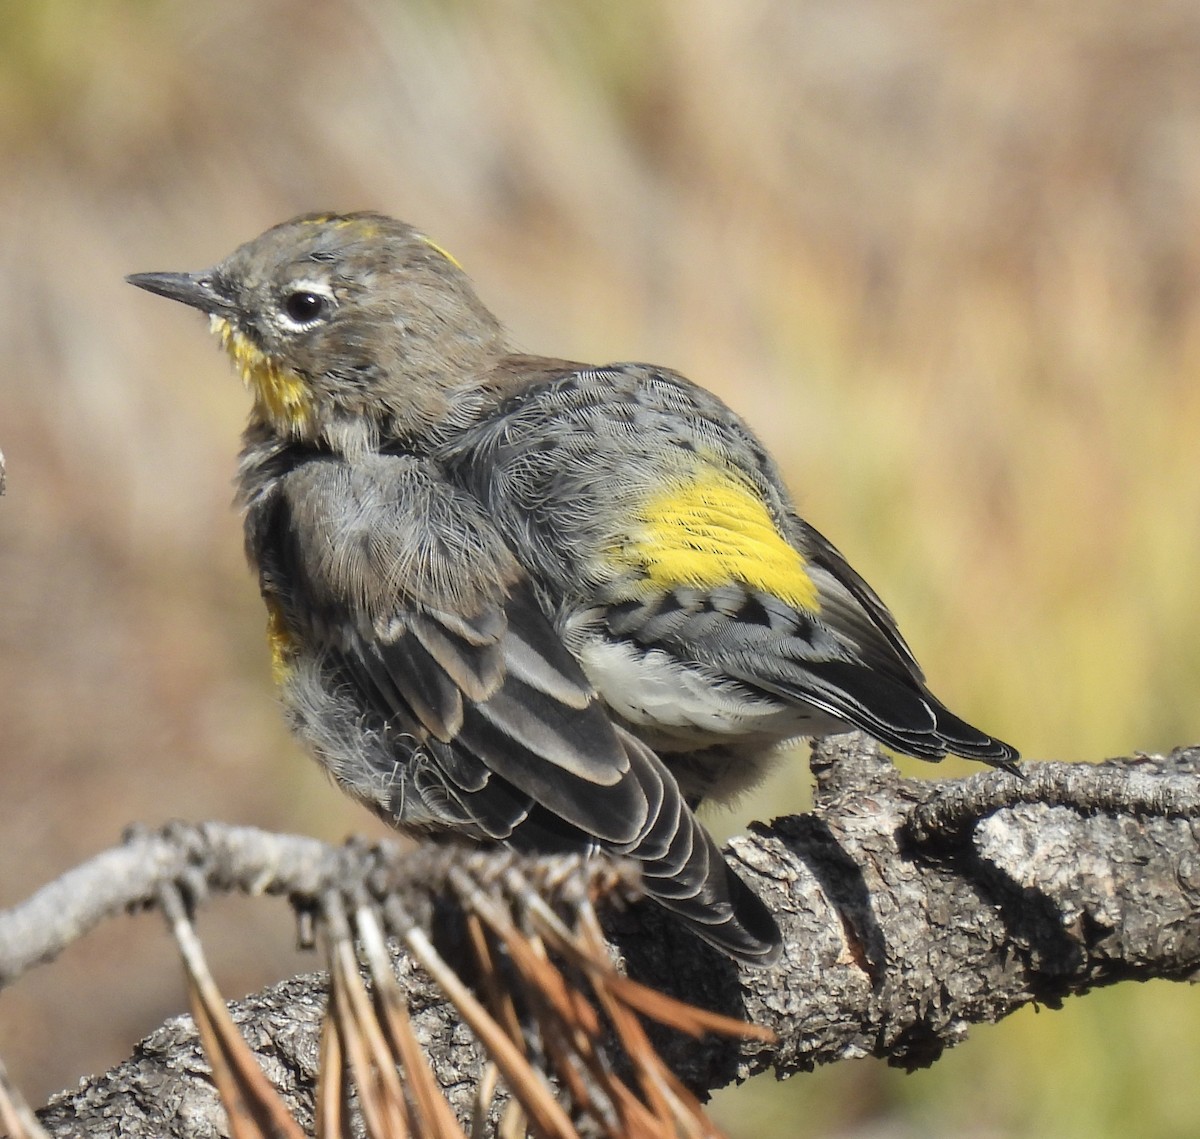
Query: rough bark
910	910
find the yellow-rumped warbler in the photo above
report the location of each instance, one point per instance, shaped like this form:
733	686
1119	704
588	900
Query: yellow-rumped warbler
527	600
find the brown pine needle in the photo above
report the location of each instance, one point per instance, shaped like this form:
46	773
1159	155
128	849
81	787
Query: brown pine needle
658	1006
679	1015
672	1102
564	1054
571	1027
485	1094
552	1002
331	1085
638	1120
649	1067
589	953
572	1031
254	1107
431	1104
381	1098
499	1000
17	1120
546	1116
513	1123
354	1048
640	1053
543	977
568	1027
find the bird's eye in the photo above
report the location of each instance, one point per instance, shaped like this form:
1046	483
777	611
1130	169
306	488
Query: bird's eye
305	307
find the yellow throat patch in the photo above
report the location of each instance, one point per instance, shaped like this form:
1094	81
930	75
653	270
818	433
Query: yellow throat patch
280	395
711	530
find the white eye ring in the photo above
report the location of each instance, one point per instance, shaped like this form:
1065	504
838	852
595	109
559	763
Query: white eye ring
305	304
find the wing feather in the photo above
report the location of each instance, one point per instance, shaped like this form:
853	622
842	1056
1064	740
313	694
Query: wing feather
469	702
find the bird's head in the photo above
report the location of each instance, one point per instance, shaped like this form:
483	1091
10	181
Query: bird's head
346	328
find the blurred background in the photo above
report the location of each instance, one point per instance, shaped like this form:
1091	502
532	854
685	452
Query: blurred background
942	255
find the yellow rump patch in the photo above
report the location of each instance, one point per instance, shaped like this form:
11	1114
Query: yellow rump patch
281	643
281	395
713	530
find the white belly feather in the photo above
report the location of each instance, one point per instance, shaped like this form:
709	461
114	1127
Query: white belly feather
681	707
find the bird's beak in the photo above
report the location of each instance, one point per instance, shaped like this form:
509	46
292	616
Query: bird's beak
194	289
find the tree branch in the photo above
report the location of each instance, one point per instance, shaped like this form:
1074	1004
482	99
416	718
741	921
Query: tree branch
910	910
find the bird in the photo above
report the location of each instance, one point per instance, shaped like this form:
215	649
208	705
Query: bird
524	600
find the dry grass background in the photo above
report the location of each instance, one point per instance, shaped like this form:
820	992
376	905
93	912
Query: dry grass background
943	255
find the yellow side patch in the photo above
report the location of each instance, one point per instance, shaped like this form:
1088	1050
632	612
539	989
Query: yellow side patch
281	643
281	395
712	530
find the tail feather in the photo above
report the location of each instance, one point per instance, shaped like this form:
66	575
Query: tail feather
683	870
901	715
717	905
686	873
969	742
